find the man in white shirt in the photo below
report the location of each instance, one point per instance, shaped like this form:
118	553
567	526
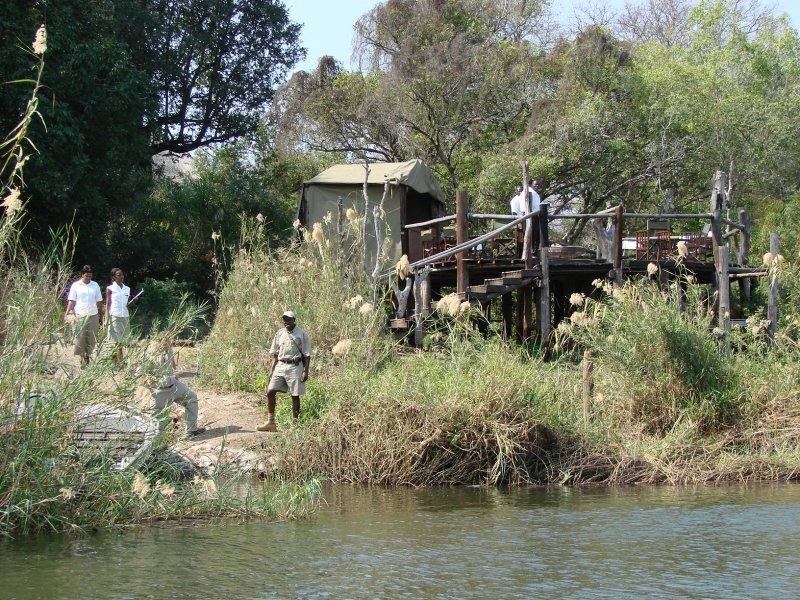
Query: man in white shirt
117	301
291	357
533	186
516	202
86	301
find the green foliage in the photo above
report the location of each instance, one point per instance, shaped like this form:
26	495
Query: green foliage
214	65
659	364
319	278
160	299
127	80
782	218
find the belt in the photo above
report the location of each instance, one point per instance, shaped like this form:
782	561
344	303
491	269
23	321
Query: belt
293	361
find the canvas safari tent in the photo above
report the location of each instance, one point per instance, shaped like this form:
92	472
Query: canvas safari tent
414	196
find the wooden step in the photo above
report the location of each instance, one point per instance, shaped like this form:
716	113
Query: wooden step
489	290
509	276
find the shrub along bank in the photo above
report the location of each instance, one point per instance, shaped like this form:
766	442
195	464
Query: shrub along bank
670	404
46	484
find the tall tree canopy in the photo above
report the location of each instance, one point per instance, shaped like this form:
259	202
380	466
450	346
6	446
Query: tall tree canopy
638	107
214	66
126	79
445	81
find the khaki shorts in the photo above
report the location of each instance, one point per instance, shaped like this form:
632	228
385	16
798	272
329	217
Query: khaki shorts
119	328
287	378
86	335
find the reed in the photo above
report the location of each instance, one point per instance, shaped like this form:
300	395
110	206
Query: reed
671	405
319	279
46	483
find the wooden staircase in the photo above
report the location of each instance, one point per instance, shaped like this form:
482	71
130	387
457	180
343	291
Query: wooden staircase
507	282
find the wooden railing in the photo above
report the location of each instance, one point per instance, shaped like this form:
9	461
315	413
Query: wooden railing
720	249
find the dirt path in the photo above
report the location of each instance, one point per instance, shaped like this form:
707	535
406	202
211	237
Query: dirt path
230	419
231	437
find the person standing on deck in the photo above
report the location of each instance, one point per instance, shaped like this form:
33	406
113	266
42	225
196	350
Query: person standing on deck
533	187
86	300
516	202
291	358
517	211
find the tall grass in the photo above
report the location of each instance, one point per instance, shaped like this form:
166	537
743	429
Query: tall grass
671	404
655	363
46	483
319	279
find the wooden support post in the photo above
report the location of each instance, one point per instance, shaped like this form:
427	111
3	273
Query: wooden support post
422	304
716	211
743	255
680	294
527	312
588	385
462	273
772	304
717	240
544	297
618	212
508	316
425	289
724	287
402	296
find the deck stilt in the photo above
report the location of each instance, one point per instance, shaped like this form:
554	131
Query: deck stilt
772	303
543	308
508	317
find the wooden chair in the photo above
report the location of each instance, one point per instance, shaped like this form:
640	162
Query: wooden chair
642	245
699	245
662	245
504	247
653	247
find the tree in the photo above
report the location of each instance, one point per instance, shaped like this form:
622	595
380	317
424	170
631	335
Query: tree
127	78
447	81
93	154
728	98
214	65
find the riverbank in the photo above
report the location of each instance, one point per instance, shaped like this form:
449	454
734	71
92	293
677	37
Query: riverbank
671	401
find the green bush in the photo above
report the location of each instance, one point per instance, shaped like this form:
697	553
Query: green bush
653	361
158	301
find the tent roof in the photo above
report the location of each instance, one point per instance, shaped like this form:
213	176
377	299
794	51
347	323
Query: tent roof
412	173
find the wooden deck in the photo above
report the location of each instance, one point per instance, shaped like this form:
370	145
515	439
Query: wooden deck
498	264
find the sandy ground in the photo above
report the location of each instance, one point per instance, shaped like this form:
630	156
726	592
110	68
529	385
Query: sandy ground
230	419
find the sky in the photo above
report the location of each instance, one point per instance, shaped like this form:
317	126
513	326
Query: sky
328	25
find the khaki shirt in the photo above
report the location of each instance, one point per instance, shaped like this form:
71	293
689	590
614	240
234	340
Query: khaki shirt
292	345
166	369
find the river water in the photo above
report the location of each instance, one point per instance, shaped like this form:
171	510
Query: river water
656	542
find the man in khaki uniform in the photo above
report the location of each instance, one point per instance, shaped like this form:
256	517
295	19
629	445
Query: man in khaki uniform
291	357
169	389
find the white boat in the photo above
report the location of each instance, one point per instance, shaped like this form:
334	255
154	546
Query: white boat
124	436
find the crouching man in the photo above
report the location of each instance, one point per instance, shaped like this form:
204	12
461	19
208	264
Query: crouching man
291	358
169	389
